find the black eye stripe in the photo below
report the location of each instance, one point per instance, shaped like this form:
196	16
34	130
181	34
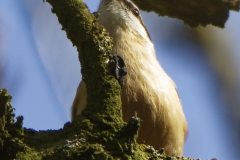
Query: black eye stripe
131	6
135	11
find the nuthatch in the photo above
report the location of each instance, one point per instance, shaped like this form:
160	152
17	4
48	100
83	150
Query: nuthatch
147	90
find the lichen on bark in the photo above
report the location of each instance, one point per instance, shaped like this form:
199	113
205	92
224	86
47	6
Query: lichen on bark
77	140
94	46
99	132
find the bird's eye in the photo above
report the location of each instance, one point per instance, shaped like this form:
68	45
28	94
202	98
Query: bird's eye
135	11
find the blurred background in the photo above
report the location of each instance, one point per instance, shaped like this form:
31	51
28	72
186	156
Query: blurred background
40	69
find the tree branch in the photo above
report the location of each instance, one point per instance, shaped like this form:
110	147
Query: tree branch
192	12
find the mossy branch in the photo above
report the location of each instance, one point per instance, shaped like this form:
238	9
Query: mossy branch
94	46
99	133
192	12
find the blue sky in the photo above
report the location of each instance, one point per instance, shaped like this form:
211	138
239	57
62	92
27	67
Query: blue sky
40	69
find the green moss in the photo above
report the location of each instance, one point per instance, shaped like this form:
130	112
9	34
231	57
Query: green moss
11	131
81	139
192	12
99	133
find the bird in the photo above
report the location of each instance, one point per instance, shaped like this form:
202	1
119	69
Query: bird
147	90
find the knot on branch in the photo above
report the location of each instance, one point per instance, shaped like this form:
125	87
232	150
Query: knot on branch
104	42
